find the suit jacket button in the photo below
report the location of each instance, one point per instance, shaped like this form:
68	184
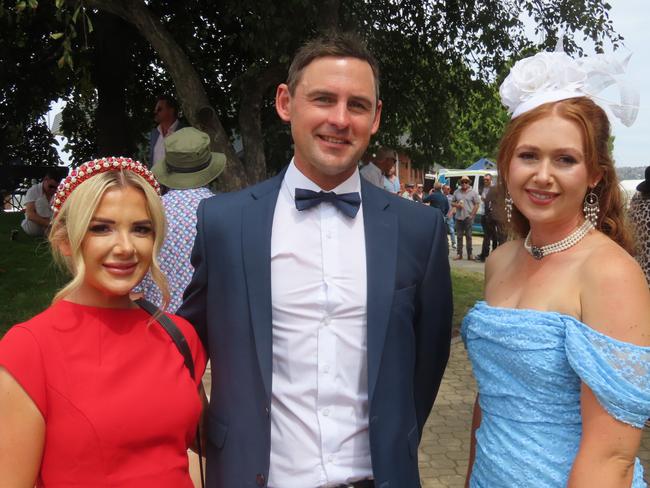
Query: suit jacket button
260	479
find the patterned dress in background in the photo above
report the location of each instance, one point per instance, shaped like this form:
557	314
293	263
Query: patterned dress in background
174	258
639	215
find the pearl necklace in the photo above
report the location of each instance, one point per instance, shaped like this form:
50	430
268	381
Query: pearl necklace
569	241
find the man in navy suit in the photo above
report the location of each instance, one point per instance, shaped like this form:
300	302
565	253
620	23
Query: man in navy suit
323	301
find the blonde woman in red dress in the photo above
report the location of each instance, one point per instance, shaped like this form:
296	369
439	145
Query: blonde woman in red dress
93	392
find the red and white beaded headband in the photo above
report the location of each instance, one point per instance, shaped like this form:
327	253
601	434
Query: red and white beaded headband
91	168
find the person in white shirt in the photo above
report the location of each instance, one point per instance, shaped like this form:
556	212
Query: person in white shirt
37	206
324	302
165	113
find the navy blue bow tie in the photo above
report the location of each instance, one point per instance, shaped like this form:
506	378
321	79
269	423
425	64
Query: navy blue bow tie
348	203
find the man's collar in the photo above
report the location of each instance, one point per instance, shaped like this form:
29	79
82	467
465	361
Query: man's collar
171	128
294	178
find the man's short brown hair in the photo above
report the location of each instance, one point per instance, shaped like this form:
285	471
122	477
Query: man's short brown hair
334	44
170	101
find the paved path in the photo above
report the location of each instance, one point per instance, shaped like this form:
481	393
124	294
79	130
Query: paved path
465	264
445	441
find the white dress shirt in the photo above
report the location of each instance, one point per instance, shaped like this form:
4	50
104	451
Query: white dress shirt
42	206
159	147
319	405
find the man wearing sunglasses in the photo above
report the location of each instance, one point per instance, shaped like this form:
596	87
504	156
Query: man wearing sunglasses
165	114
37	206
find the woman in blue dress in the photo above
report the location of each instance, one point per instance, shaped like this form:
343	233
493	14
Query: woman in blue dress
560	347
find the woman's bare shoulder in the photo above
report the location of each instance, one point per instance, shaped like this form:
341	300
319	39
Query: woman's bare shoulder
606	260
614	294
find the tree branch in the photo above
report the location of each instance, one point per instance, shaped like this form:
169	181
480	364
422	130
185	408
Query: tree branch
189	87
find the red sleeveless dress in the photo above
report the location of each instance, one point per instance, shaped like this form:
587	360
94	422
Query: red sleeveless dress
119	405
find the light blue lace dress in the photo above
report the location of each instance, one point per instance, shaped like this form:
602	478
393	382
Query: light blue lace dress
529	366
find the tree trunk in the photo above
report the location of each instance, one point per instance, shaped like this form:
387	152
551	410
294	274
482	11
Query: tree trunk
114	135
253	89
189	88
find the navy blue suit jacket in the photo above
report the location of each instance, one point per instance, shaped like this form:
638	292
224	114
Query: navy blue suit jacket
409	325
438	200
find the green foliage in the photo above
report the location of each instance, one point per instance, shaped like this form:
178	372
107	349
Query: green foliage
439	61
610	145
29	80
70	24
79	126
477	126
29	144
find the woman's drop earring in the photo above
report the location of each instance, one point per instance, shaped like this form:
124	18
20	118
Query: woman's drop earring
591	207
508	206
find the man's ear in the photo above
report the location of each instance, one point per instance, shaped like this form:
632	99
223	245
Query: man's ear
377	118
283	102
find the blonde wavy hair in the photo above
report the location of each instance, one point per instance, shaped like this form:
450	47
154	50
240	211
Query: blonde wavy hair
595	128
72	221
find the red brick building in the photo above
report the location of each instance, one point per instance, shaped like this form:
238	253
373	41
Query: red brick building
407	173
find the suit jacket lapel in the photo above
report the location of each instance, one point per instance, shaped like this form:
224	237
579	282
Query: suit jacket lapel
381	227
257	224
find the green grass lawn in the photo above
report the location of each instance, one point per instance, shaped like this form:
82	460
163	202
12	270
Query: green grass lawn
29	278
468	287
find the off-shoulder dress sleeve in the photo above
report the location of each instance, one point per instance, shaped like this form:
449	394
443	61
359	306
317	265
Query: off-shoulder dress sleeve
20	355
617	372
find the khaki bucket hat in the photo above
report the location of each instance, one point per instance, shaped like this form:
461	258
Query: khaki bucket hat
188	162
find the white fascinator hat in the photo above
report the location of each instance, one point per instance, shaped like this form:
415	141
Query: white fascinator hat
553	76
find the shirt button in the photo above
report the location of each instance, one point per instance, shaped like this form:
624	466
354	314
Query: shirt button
326	368
330	458
326	412
326	321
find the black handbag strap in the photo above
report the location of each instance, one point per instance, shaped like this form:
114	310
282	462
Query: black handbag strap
181	344
171	329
